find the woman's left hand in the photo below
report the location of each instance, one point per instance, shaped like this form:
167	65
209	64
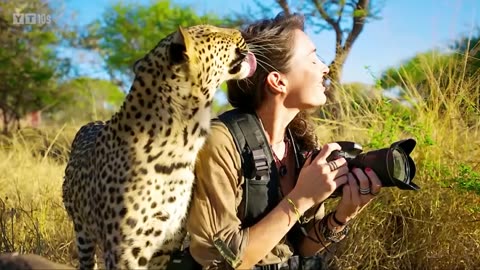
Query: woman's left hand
356	195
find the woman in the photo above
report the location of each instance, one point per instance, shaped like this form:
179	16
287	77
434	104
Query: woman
287	82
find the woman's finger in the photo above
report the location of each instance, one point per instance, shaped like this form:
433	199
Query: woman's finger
363	185
375	182
355	195
308	159
341	180
326	151
346	191
337	167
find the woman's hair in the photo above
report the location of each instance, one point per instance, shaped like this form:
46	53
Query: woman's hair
272	41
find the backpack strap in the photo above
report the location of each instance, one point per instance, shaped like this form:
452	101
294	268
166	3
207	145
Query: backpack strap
258	166
250	141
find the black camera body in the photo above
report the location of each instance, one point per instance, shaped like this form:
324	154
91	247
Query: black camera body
393	165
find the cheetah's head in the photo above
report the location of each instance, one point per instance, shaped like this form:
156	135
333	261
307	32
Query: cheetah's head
198	59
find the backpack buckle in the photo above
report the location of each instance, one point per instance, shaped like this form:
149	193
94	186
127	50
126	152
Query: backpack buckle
260	161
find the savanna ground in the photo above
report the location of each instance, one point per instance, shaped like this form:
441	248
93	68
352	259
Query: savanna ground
437	227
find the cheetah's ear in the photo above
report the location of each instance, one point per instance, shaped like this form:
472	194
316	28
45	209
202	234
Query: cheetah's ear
181	46
137	66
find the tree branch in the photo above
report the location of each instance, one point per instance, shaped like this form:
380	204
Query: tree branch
358	23
284	5
335	25
340	12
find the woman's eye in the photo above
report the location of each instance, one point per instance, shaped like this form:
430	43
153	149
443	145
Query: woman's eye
319	58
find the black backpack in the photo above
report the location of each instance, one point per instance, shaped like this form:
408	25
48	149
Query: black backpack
258	165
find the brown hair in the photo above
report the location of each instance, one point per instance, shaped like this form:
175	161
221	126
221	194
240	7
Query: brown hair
272	41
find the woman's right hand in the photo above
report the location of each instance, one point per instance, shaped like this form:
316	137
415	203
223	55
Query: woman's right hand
318	179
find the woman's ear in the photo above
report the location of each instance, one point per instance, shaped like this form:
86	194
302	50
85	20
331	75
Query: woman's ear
277	83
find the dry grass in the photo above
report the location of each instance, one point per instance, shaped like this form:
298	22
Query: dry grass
437	227
32	217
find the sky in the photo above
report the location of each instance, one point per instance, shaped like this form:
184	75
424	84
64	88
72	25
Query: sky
406	27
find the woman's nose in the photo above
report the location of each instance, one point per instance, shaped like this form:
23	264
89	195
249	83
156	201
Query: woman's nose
325	69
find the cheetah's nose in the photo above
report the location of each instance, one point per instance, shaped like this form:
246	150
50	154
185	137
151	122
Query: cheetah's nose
252	63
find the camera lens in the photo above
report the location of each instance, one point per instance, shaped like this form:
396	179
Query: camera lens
401	170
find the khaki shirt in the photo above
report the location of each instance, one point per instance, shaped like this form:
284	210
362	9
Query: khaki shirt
217	240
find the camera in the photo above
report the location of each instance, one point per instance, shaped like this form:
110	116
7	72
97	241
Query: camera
393	165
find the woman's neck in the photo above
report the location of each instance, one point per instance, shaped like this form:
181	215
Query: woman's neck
275	120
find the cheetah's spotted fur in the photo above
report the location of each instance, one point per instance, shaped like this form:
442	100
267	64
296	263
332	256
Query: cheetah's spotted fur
128	182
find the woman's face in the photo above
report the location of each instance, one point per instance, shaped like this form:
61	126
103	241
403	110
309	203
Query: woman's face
305	89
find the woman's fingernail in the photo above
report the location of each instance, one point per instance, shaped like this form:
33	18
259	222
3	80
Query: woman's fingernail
368	169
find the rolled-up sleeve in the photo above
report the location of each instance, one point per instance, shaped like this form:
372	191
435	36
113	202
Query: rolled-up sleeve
216	237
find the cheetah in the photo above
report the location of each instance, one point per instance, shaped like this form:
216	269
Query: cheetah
129	180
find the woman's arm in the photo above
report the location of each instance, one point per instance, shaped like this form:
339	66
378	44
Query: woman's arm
307	246
268	232
350	205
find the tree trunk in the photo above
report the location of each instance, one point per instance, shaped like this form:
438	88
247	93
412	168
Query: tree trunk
333	107
17	119
5	120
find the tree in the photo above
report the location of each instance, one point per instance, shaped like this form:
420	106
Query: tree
28	62
346	18
126	32
440	81
442	67
468	48
418	72
96	99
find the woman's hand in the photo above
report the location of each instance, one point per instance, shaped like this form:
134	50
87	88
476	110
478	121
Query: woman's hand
318	179
356	195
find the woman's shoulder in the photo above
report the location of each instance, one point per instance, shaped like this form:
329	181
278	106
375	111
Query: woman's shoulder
219	155
219	142
218	128
218	136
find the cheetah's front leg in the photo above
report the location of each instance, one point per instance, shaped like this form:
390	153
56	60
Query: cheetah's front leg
161	258
86	247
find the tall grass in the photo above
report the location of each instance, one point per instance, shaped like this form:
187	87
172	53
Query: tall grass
437	227
32	217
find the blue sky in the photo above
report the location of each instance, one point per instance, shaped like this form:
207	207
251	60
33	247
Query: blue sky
406	28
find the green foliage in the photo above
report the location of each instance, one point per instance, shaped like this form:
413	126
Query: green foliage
418	69
96	99
398	122
28	62
467	179
418	72
127	31
220	103
440	81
